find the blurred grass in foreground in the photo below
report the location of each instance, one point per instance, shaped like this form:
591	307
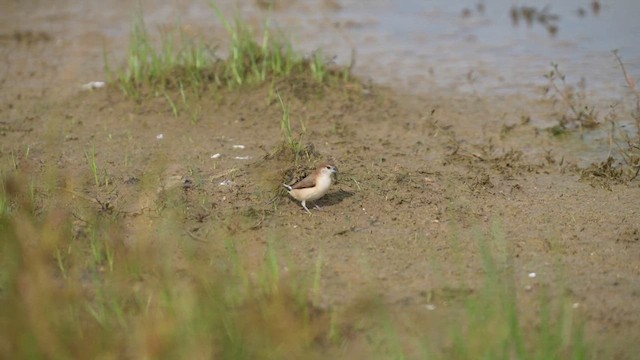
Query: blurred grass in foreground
70	288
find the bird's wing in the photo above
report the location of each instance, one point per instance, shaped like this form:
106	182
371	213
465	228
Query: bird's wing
309	181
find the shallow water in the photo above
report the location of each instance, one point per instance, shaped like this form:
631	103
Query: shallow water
421	44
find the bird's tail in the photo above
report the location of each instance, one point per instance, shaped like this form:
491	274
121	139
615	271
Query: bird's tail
289	188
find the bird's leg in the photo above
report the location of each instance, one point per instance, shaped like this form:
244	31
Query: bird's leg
304	205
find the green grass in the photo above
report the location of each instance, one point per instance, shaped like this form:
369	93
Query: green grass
99	180
630	151
93	165
491	326
153	68
293	143
176	61
250	61
318	66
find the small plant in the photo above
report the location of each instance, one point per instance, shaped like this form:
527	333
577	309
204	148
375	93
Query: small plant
188	65
91	159
14	159
90	156
178	59
318	66
631	153
285	125
631	85
253	62
101	252
580	114
491	326
174	108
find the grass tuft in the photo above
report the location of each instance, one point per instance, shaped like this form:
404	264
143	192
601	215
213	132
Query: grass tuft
190	65
295	145
178	59
250	61
579	114
492	328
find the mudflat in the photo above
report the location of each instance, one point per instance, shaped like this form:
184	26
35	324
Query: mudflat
428	183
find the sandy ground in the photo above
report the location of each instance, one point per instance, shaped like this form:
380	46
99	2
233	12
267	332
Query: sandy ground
423	178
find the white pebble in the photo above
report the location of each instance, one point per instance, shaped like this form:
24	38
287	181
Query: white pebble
238	146
93	85
430	307
532	275
243	157
215	156
160	136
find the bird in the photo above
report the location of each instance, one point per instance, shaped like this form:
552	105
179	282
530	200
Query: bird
314	186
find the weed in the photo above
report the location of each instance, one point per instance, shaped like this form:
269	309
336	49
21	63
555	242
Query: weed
101	252
631	85
491	327
174	108
179	59
250	61
631	153
580	115
189	65
318	66
285	126
14	161
91	159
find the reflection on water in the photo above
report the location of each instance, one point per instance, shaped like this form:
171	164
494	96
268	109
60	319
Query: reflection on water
532	15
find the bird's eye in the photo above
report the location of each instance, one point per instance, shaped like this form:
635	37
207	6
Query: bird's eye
328	167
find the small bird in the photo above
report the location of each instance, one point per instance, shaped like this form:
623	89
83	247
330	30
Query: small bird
314	186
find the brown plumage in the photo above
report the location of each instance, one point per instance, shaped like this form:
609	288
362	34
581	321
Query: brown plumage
314	186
